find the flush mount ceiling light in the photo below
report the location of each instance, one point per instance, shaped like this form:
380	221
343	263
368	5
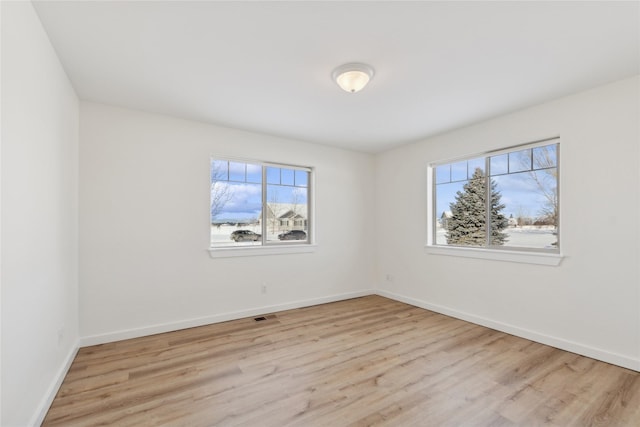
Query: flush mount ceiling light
352	77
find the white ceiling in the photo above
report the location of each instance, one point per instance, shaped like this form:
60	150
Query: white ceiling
266	66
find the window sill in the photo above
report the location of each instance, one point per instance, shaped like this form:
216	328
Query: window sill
261	250
540	258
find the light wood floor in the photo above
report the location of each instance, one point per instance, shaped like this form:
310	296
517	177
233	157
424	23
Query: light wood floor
366	361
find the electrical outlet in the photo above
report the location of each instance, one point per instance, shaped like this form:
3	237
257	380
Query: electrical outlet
264	288
389	278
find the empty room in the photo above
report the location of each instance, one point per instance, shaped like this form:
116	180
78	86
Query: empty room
330	213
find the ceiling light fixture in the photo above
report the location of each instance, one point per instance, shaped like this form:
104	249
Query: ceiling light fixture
352	77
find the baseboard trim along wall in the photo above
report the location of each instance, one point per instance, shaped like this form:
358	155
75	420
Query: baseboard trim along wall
51	392
573	347
594	353
217	318
47	400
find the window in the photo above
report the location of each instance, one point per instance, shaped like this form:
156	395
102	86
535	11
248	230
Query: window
259	204
506	199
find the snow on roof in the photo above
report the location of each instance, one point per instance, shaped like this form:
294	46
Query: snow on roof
286	210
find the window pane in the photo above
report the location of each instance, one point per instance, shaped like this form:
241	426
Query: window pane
530	200
520	161
302	178
273	175
286	176
235	214
443	174
254	173
219	170
445	196
474	164
467	226
545	157
499	164
237	171
287	214
459	171
235	203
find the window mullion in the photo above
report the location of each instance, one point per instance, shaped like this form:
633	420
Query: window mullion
265	208
487	204
434	211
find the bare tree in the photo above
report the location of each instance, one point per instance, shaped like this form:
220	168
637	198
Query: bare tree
522	216
543	171
296	197
274	196
221	191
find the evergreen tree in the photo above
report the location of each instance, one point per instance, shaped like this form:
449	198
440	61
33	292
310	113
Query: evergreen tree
467	225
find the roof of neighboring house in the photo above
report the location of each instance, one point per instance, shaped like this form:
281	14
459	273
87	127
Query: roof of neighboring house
290	214
285	211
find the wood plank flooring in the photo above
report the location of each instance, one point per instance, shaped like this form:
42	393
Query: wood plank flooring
361	362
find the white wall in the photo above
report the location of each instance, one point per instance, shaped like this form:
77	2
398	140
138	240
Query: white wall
39	218
144	226
591	302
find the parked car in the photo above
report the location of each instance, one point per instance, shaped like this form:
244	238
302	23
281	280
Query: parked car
293	235
245	235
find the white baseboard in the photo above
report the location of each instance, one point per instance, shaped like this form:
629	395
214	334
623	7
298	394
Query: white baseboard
51	392
217	318
594	353
573	347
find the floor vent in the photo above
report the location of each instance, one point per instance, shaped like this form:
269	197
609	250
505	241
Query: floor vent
260	319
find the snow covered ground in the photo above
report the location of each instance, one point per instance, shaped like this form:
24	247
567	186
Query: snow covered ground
528	236
220	236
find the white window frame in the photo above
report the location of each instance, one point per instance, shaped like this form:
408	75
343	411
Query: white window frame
273	248
551	257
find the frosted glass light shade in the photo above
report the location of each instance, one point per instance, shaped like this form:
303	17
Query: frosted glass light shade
352	77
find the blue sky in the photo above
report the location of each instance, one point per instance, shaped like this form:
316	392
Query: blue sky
246	202
519	191
244	180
